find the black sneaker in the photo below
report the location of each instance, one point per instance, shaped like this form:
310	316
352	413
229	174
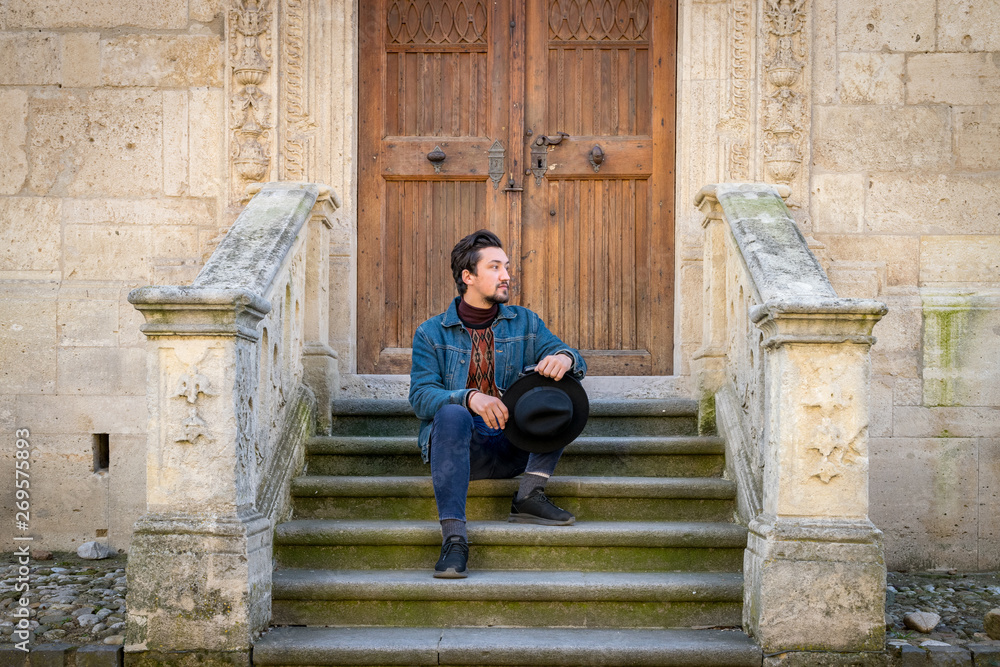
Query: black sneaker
454	558
537	508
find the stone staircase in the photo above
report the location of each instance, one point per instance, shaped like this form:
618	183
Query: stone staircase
649	575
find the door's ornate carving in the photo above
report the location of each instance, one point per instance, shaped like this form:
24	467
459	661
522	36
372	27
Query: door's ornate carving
598	20
427	22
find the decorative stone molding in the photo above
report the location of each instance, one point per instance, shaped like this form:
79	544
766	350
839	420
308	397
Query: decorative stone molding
784	95
251	129
787	363
297	127
736	122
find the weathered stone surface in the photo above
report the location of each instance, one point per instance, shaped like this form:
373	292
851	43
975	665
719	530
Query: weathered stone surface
97	252
871	78
205	10
126	502
959	259
877	25
824	51
13	134
161	212
827	659
162	60
105	142
946	422
991	623
838	202
779	605
977	136
28	341
917	204
94	551
176	150
81	59
965	25
921	621
30	230
88	314
30	58
103	371
23	14
952	78
924	497
961	333
84	414
206	114
898	254
851	138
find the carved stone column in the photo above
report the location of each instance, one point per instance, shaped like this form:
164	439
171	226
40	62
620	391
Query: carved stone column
320	361
814	567
199	570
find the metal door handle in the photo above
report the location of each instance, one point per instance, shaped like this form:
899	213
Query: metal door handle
436	157
554	140
596	156
510	187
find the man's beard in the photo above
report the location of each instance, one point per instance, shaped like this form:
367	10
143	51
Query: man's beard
498	297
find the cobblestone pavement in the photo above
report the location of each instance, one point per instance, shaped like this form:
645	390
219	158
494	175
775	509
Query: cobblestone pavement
73	600
79	601
960	599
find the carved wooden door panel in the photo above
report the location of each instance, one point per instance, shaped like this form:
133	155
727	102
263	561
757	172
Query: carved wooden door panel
434	105
450	85
599	215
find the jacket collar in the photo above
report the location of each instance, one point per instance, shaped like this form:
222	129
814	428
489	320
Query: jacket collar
451	318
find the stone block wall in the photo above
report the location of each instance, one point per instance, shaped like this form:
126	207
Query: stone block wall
905	197
111	162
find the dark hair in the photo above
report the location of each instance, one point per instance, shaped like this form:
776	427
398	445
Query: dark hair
465	254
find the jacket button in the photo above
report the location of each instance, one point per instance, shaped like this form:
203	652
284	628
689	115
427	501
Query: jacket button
463	361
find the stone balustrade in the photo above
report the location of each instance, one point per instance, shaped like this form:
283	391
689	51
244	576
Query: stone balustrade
784	365
238	368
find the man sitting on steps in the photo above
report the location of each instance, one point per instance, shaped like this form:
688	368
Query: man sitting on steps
462	360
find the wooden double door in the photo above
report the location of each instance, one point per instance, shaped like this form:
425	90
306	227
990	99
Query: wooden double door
550	122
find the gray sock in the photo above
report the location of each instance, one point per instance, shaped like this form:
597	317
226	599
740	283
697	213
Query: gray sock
529	483
450	527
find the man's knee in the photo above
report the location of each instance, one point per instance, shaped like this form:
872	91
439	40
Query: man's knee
453	417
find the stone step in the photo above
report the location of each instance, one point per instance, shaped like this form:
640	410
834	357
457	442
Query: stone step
641	456
497	598
506	646
590	498
394	417
617	546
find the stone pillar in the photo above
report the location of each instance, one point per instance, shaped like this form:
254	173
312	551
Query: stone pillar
320	363
814	568
199	568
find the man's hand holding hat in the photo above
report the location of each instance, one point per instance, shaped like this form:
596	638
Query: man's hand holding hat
554	366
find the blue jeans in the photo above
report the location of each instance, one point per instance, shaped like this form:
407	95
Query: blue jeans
463	448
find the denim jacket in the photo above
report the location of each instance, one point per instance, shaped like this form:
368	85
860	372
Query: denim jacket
442	349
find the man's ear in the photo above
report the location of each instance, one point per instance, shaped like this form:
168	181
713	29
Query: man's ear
467	276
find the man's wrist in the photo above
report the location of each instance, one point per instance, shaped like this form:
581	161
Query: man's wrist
572	359
468	398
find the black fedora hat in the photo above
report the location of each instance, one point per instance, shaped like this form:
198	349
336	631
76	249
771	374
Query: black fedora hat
545	415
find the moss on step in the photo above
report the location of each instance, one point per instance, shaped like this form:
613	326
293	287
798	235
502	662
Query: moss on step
582	558
591	614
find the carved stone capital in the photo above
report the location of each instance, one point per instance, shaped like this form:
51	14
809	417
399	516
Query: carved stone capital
199	311
804	321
